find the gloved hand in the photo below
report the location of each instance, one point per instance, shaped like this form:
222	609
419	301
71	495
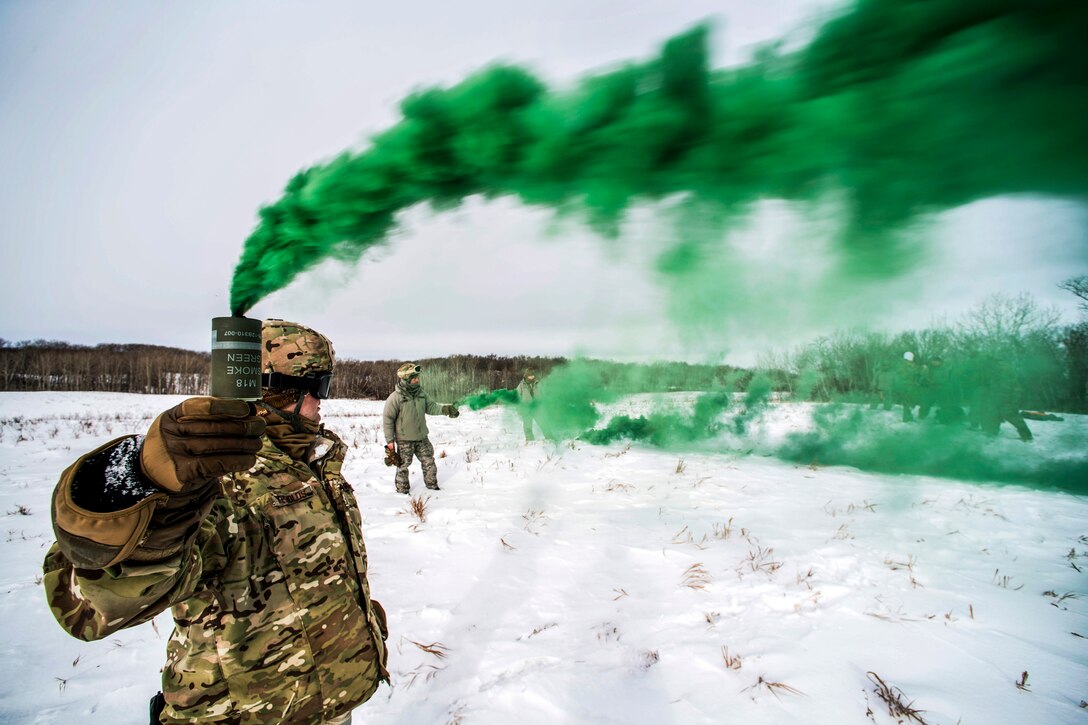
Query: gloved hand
141	501
450	410
199	440
392	458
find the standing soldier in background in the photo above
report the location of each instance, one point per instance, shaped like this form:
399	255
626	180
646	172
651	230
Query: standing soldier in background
906	386
925	386
973	372
405	423
528	397
240	521
883	385
947	392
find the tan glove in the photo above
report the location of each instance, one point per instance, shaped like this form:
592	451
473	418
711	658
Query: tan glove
392	458
199	440
112	504
450	410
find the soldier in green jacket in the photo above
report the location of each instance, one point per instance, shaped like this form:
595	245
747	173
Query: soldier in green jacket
883	387
405	423
237	517
527	397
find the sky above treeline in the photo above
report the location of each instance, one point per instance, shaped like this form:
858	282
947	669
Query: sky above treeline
140	140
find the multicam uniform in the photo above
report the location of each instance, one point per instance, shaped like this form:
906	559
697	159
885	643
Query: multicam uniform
265	569
255	638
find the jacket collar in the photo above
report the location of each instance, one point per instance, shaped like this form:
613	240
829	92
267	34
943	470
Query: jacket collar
408	390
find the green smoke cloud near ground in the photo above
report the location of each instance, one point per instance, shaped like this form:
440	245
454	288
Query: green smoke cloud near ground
567	397
848	436
574	396
898	109
666	429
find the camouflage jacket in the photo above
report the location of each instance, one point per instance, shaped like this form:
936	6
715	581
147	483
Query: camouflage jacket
405	414
527	391
272	610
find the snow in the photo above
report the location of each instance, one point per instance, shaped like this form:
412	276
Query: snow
574	583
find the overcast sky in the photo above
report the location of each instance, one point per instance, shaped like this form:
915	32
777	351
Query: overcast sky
138	140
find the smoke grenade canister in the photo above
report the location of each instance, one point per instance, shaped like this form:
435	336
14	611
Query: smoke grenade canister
236	358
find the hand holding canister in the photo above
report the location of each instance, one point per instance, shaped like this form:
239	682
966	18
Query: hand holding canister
236	358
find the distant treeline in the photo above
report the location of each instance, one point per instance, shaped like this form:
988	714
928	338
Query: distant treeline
1041	364
52	365
445	379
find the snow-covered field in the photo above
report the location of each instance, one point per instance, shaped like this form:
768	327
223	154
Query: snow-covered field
623	584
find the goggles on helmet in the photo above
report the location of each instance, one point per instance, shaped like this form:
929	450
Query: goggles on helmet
317	383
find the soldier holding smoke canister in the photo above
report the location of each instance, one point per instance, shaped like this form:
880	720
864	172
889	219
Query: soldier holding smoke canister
405	424
528	396
241	522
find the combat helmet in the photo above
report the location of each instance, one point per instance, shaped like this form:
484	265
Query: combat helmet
408	370
295	356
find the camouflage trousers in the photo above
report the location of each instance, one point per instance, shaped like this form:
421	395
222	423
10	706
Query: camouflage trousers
527	420
424	451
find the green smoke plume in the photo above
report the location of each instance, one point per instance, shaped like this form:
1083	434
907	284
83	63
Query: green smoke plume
961	410
849	436
568	398
963	388
870	440
486	399
666	429
896	110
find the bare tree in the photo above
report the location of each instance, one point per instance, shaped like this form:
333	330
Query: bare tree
1079	287
1006	318
1075	341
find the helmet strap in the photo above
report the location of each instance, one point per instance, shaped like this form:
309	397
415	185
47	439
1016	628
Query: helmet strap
294	417
291	417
